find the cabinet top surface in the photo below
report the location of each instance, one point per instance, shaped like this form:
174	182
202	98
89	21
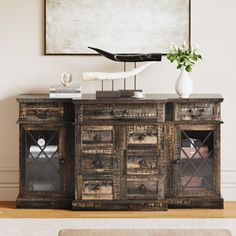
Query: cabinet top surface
87	98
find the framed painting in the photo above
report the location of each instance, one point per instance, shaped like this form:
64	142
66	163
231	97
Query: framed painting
118	26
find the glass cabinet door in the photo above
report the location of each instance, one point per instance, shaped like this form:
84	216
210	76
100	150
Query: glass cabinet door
196	162
43	160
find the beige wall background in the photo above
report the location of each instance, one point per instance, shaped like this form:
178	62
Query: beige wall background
24	69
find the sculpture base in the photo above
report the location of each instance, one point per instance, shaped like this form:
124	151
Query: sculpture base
107	94
117	94
129	92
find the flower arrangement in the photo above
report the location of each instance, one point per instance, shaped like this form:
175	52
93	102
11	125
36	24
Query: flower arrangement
185	57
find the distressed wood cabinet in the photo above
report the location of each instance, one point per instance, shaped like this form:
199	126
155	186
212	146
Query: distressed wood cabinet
120	154
46	153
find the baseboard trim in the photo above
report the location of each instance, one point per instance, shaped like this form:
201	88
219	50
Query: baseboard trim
8	169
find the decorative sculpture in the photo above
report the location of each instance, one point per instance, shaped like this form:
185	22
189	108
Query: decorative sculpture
66	79
153	57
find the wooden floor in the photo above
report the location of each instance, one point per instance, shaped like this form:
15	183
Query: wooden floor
8	210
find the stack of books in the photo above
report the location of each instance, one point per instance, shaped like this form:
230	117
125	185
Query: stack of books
60	91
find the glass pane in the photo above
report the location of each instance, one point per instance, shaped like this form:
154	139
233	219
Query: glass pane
197	160
42	161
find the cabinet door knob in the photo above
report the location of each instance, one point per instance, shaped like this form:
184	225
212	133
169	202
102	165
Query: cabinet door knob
177	161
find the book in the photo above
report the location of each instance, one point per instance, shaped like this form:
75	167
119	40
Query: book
62	89
65	95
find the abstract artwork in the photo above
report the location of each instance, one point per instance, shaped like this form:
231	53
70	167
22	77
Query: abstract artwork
130	26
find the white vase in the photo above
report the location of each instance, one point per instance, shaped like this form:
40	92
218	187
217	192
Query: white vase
184	84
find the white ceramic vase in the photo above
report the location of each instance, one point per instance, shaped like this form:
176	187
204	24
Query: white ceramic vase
184	84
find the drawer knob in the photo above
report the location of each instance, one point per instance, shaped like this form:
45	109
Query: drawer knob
142	188
42	114
97	163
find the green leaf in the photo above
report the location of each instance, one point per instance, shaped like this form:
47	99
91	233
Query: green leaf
188	68
179	66
199	56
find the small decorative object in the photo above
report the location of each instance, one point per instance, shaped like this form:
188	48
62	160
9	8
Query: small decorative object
138	94
186	59
65	89
66	79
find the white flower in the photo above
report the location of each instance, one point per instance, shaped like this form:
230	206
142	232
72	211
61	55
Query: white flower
171	46
175	47
184	44
196	47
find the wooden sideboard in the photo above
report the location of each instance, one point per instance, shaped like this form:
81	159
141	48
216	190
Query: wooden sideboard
120	154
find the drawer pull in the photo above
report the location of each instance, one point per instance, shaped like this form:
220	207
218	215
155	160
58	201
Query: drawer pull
97	164
97	138
142	163
138	136
142	189
93	187
42	114
119	114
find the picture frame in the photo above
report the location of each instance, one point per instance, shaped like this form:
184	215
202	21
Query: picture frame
133	26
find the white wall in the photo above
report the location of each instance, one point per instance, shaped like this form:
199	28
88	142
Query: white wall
24	69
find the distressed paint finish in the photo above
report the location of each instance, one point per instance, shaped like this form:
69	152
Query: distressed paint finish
197	111
134	112
127	151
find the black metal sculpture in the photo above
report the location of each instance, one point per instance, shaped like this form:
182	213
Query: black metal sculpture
129	57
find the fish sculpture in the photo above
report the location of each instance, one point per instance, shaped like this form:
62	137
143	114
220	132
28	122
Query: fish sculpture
129	57
115	75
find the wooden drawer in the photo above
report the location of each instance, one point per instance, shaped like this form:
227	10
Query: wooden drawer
141	160
197	111
142	188
42	111
101	112
97	163
95	135
97	189
145	134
